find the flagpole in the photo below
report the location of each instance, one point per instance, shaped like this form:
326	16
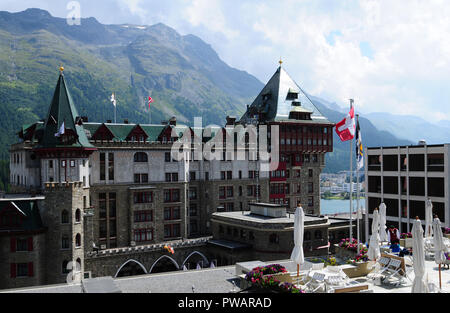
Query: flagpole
351	183
357	187
115	108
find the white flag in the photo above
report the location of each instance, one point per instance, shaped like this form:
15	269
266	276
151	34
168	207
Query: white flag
113	99
61	130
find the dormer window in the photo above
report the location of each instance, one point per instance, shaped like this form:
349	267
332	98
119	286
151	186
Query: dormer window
292	96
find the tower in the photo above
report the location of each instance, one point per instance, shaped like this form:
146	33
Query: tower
63	152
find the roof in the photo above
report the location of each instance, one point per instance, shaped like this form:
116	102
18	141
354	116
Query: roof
27	209
275	100
62	110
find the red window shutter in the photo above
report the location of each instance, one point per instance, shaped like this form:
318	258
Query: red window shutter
30	269
13	244
13	270
30	243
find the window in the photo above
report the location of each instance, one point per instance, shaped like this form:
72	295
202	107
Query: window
310	201
23	269
141	235
50	164
72	163
222	175
229	175
143	216
102	229
192	193
65	243
172	213
171	195
63	163
140	178
171	230
102	205
64	268
64	217
112	205
167	157
192	176
78	215
111	166
306	158
102	166
78	240
273	238
206	175
318	234
314	158
307	236
310	187
193	227
193	209
140	157
143	197
22	245
112	228
229	191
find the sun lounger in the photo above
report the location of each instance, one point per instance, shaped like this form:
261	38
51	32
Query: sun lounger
316	282
394	270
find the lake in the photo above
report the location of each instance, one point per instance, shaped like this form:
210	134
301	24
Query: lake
338	206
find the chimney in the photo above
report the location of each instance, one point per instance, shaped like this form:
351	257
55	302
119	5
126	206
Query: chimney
125	121
108	121
173	121
231	120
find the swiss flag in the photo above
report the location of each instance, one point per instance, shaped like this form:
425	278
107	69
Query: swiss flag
346	128
150	100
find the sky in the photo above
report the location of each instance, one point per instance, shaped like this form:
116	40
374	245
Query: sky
389	56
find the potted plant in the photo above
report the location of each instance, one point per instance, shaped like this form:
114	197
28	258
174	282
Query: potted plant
347	248
361	263
447	232
406	240
271	278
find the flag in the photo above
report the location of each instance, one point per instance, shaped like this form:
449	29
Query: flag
150	100
113	99
346	128
359	148
61	130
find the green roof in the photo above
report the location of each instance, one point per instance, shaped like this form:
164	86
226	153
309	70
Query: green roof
62	110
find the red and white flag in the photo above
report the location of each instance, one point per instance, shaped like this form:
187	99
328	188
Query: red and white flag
150	100
347	127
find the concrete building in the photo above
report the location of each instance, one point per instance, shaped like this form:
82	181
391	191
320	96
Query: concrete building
124	188
404	178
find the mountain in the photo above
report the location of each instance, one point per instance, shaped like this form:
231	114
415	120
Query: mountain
339	159
183	74
412	128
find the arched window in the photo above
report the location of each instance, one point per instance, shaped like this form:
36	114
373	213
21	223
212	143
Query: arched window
78	240
65	270
307	235
78	215
64	217
140	157
318	234
273	238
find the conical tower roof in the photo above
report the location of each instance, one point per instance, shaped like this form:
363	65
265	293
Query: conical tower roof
62	110
275	101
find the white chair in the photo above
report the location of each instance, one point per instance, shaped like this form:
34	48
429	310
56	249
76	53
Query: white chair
316	282
380	267
317	266
394	270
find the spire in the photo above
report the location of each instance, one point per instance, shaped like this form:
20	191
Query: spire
277	99
62	113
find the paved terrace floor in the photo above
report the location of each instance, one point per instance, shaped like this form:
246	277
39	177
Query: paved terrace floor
220	280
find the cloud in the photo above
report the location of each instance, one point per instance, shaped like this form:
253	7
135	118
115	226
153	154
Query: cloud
388	55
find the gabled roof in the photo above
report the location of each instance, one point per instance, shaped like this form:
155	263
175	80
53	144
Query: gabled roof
274	104
28	211
62	110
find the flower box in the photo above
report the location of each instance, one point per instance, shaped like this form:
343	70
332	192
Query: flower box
282	277
406	243
344	253
357	270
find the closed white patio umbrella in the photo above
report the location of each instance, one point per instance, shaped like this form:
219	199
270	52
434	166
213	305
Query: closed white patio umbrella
420	285
382	229
439	246
374	245
297	254
429	219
